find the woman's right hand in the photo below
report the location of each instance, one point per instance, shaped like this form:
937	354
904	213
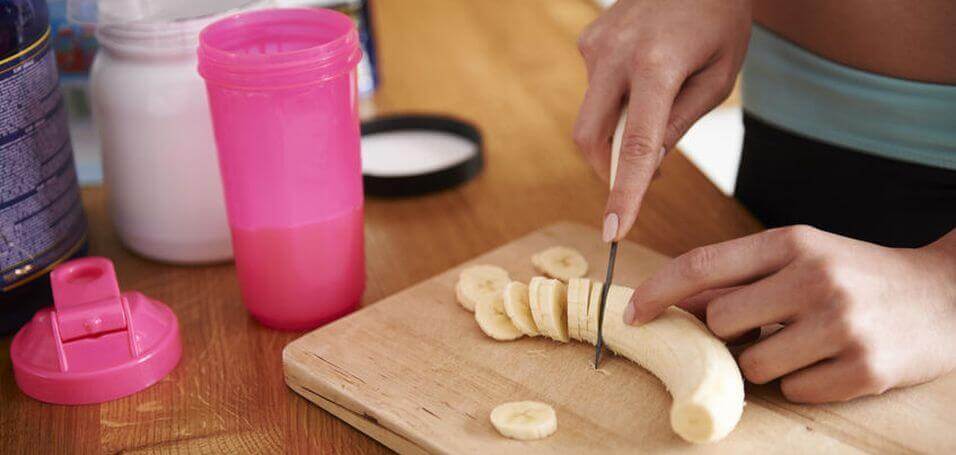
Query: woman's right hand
672	62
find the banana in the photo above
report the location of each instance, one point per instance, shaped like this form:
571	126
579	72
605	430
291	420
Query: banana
524	420
517	306
572	309
578	291
589	328
583	315
552	304
480	283
695	366
494	321
534	302
560	262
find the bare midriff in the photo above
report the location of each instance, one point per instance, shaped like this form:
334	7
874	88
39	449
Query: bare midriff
907	39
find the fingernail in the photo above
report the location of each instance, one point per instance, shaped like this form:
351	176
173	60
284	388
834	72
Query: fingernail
629	313
663	152
610	227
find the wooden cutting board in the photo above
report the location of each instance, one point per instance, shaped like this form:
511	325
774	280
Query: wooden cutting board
414	372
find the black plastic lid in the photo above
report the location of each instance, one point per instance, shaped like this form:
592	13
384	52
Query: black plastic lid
408	155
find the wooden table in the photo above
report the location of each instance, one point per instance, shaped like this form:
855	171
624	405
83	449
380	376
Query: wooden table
509	67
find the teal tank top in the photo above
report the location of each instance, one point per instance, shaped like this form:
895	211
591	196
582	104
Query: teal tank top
796	90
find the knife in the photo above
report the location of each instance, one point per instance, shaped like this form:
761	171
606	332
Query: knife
609	276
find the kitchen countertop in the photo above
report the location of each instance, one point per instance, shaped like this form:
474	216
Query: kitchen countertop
509	67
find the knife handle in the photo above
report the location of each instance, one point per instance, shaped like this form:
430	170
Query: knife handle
616	144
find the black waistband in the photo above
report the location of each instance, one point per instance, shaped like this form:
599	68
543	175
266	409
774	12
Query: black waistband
789	179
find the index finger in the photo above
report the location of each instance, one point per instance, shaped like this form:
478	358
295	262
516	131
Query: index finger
725	264
648	110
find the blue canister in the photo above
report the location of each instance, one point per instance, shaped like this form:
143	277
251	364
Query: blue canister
358	11
41	217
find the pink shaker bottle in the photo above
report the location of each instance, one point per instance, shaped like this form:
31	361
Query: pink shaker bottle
282	90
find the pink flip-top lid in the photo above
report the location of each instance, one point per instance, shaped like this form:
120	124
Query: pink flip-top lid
95	344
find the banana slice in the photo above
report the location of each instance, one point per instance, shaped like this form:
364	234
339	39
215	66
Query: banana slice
589	327
553	302
583	314
572	310
560	262
494	321
524	420
534	302
579	289
517	306
480	283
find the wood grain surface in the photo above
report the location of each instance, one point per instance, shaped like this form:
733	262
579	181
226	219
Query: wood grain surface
511	68
417	373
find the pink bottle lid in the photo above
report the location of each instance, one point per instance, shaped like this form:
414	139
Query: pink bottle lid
95	344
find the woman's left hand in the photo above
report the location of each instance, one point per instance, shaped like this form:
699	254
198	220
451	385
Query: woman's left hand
858	318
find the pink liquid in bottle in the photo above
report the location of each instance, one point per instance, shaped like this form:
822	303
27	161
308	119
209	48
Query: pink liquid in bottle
302	277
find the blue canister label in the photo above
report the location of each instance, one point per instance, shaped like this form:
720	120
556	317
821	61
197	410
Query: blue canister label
358	11
41	217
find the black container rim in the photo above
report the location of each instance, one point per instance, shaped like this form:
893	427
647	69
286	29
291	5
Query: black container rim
427	182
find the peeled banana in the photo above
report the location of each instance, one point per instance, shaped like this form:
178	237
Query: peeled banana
524	420
480	283
695	366
560	262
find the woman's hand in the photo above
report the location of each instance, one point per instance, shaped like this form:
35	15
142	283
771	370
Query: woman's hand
858	318
673	61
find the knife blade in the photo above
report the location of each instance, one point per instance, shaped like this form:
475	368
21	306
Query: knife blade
599	346
612	256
